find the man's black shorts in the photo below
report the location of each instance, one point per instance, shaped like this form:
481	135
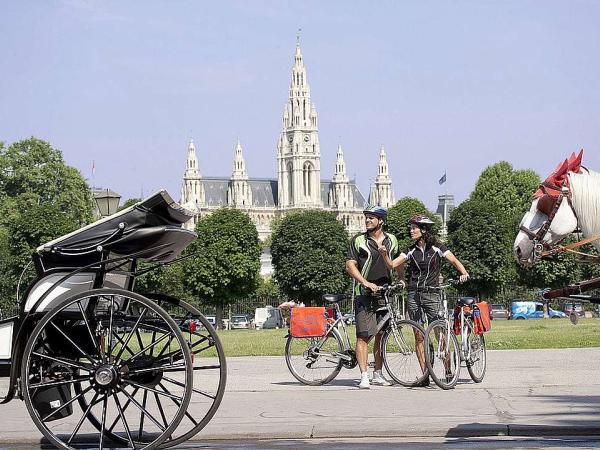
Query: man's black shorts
367	316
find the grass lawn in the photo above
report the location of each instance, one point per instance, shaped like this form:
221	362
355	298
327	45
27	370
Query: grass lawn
505	335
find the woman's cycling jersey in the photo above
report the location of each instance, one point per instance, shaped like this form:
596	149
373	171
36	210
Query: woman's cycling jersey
425	265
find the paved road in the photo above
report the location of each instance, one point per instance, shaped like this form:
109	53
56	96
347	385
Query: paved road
525	393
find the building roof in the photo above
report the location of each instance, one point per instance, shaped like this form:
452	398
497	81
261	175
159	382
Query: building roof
264	192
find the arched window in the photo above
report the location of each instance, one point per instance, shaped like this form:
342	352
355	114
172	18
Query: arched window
289	184
307	178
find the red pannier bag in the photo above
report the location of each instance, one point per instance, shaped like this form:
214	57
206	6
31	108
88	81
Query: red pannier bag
481	318
456	324
308	322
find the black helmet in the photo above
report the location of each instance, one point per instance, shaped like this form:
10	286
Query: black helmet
421	220
376	211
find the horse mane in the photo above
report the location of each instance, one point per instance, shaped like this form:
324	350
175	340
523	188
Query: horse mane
585	187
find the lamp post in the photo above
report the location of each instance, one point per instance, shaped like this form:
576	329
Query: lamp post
107	201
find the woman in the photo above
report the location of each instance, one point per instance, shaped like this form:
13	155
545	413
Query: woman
424	256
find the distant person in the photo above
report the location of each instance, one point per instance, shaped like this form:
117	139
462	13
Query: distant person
424	256
365	264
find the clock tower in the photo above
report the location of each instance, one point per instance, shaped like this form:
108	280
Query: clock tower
298	151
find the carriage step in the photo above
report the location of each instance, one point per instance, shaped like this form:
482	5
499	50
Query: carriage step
5	368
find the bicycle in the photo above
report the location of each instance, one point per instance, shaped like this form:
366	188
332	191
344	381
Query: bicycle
316	361
444	352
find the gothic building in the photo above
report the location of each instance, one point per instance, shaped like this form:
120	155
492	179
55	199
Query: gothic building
298	183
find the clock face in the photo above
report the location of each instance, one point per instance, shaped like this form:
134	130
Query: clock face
290	138
306	138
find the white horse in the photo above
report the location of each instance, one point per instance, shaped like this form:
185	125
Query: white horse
569	199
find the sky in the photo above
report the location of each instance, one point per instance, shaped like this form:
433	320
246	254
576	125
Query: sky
446	86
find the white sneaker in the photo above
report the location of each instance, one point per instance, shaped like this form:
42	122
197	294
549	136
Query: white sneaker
378	380
364	383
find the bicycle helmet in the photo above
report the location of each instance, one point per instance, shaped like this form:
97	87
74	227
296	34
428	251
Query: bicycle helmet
376	211
421	220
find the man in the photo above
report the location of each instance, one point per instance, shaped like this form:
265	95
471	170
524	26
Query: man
367	266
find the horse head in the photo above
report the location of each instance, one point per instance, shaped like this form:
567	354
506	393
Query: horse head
551	217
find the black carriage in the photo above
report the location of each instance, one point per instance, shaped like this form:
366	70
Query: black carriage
100	365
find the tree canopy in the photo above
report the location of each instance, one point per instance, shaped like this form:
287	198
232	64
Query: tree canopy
41	198
481	230
226	267
308	250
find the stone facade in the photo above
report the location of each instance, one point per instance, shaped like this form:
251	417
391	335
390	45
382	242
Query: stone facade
298	184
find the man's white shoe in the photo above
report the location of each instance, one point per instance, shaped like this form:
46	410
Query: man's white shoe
378	380
364	383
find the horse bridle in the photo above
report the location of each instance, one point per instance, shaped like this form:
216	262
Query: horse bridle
537	238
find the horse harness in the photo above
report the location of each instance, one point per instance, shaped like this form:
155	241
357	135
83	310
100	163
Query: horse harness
542	249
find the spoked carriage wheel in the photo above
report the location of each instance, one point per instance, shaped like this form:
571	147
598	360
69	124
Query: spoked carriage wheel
210	368
119	356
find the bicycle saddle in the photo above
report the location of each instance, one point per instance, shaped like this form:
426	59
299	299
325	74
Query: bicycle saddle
333	298
465	301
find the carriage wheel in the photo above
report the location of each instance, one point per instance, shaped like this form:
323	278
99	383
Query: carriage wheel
119	356
210	368
209	365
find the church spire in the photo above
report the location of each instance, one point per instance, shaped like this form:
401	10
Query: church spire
239	193
298	150
383	183
340	167
239	165
192	188
191	168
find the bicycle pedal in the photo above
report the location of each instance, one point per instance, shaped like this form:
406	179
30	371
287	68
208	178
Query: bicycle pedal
371	364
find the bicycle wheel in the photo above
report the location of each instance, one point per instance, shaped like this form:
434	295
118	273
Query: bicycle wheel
477	361
442	355
399	346
313	363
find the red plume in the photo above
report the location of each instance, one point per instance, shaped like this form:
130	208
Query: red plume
575	162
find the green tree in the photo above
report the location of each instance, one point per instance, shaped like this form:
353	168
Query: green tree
129	202
32	167
308	250
167	279
41	198
482	230
228	261
477	235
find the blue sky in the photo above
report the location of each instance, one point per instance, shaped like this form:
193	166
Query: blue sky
445	86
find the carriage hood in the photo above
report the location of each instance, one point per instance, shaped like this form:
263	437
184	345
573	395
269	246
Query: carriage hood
152	227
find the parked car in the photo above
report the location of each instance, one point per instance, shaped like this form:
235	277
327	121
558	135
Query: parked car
268	317
576	307
499	312
212	320
349	318
240	322
528	309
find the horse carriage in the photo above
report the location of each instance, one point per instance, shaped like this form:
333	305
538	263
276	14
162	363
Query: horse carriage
566	203
99	365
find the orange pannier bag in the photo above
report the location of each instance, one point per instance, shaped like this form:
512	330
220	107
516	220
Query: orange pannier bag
308	322
481	318
456	323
